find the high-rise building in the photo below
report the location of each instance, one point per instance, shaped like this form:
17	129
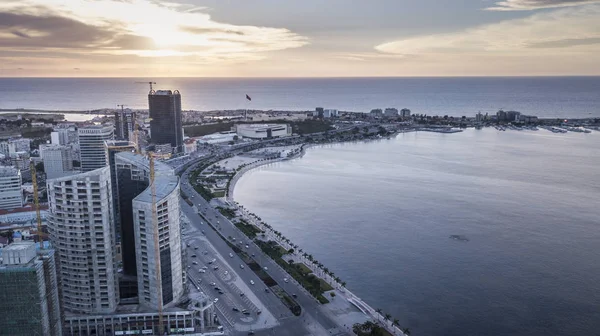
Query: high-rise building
80	227
29	292
91	146
405	113
11	195
57	159
141	258
113	147
124	124
165	114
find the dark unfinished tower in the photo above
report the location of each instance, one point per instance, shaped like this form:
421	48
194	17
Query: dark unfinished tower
165	112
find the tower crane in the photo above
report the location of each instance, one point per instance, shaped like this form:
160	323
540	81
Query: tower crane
149	83
156	245
36	203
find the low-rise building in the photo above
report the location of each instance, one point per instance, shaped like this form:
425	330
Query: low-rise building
263	131
391	112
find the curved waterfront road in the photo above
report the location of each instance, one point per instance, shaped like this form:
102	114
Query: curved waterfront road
312	321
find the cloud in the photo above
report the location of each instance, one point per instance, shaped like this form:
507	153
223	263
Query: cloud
126	28
576	27
512	5
565	43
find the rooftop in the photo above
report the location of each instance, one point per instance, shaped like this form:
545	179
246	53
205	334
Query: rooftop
165	179
165	92
6	171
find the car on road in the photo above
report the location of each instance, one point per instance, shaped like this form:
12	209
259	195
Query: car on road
242	294
205	267
216	268
213	284
202	271
242	266
216	299
285	280
252	282
195	263
235	309
210	262
221	292
230	255
294	296
193	256
253	255
226	272
196	247
246	313
246	246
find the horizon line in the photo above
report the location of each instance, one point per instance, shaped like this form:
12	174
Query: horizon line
294	77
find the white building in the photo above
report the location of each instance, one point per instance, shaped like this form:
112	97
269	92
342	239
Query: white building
19	145
80	227
11	195
57	159
91	146
160	271
263	131
330	113
216	138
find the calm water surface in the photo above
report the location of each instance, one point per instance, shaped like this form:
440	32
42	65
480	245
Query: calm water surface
560	97
380	215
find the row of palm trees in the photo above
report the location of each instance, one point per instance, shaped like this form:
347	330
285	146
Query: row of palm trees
321	269
387	318
395	323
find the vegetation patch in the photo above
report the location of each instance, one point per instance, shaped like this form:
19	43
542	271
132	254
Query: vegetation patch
303	268
248	229
310	282
226	212
287	300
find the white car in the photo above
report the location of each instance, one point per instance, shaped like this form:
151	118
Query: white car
202	271
242	266
195	263
226	272
285	279
231	255
265	268
252	282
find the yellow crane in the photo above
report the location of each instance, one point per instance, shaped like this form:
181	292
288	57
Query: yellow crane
156	245
36	203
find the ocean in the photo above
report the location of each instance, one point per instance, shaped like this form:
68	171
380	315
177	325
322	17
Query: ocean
551	97
380	215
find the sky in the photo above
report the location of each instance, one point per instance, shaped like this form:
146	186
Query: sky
298	38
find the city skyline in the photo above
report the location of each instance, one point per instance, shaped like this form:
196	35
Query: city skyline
193	38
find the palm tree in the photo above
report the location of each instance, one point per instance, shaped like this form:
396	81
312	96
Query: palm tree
387	317
395	323
344	284
378	310
406	331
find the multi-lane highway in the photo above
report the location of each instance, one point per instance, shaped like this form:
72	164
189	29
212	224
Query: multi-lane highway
275	318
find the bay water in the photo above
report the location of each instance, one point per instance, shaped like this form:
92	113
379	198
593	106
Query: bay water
380	216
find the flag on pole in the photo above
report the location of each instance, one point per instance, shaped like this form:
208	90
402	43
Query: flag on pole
248	97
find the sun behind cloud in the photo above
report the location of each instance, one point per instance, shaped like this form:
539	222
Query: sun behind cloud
135	27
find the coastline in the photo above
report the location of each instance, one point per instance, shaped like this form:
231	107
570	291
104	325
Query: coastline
369	312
